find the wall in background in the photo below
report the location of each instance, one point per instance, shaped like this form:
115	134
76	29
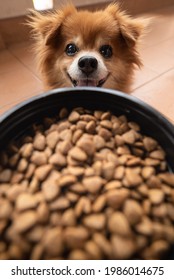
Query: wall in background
11	8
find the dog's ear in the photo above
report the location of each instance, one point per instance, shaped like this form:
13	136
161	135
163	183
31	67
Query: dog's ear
130	29
48	25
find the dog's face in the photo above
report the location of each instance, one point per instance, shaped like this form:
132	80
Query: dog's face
81	48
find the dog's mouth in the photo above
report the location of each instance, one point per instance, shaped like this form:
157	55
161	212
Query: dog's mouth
88	82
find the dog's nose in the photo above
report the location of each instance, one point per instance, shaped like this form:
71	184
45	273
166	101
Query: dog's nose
87	64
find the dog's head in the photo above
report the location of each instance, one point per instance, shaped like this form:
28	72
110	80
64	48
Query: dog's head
82	48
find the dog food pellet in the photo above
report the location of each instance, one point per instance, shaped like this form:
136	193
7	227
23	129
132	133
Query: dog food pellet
156	196
6	209
74	116
25	201
78	154
123	248
66	180
85	185
99	203
25	221
133	211
116	198
43	171
5	175
52	139
118	224
93	250
39	142
38	158
53	242
95	221
26	150
76	236
68	218
83	206
93	184
50	190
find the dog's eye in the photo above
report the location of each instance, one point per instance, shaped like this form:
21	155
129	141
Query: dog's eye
106	51
71	49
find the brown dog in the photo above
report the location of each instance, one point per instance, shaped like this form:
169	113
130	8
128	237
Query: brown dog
82	48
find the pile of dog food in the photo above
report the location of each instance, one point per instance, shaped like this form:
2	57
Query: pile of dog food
85	185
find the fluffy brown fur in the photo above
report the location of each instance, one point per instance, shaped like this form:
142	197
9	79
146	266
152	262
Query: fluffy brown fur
89	31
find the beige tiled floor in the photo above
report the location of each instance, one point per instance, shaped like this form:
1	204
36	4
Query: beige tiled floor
154	83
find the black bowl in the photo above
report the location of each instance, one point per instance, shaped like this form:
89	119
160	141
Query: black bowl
18	120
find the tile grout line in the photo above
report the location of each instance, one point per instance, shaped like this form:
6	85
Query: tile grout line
20	99
154	45
153	79
21	62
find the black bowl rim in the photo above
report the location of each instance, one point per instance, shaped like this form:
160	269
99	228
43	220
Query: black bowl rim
159	126
149	109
